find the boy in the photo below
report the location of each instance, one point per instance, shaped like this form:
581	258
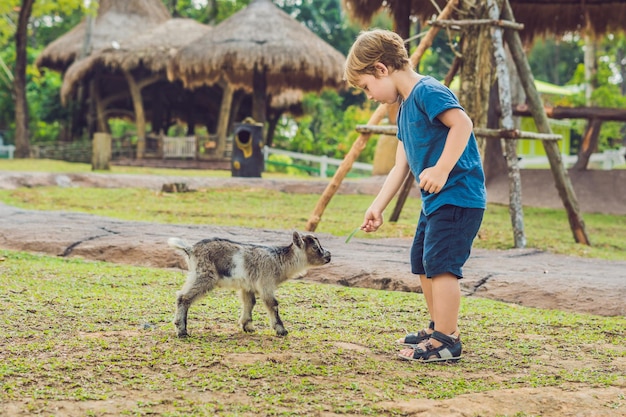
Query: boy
439	147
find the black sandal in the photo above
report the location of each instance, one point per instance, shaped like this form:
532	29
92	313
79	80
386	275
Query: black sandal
450	350
414	339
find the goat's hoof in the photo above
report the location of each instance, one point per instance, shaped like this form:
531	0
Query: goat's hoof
248	327
183	334
281	332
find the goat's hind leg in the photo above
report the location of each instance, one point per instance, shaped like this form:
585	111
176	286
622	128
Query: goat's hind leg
248	300
195	287
272	309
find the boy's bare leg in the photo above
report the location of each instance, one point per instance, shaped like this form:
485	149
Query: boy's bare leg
443	297
427	290
446	293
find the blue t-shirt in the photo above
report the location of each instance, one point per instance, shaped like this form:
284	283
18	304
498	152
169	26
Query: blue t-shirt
424	136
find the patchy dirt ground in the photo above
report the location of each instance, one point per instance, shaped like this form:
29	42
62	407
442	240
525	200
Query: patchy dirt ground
526	277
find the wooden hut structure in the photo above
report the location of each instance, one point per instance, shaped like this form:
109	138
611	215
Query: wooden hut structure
130	78
260	49
540	17
116	20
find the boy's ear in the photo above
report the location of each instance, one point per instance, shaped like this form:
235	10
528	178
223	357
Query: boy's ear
381	69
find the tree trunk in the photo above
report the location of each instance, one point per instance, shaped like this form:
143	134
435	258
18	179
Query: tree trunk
477	69
402	20
589	144
494	162
22	143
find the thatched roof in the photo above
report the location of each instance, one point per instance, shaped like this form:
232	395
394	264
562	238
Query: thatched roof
116	20
149	51
558	17
264	37
540	17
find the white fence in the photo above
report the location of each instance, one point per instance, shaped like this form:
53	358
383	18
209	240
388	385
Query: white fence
606	160
323	161
179	147
6	149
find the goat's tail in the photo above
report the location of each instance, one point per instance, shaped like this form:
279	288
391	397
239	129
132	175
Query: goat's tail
179	244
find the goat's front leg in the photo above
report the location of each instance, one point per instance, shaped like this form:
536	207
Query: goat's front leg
248	300
272	309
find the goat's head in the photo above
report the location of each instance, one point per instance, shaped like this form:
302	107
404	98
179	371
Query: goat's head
310	245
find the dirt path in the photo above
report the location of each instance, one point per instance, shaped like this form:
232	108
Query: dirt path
527	277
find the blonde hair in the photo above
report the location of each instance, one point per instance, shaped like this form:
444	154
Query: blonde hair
374	46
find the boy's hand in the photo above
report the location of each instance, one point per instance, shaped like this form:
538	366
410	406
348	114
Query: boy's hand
432	179
372	221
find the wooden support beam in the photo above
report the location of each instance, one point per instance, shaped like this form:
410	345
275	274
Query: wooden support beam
506	121
561	178
477	22
558	112
478	131
514	134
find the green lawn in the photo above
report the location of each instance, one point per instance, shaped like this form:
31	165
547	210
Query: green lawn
95	339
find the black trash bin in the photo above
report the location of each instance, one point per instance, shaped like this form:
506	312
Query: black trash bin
247	156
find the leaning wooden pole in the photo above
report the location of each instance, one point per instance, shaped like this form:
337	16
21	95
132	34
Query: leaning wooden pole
361	141
506	120
561	178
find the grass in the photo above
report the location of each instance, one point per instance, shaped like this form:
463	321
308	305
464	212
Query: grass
77	331
96	338
545	229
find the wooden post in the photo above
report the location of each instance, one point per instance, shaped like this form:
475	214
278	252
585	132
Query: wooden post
140	116
101	151
361	141
224	118
561	178
589	143
504	92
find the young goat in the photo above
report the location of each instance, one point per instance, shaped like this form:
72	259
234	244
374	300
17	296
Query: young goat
253	269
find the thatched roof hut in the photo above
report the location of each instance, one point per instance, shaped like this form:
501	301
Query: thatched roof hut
261	38
147	53
259	49
540	17
116	20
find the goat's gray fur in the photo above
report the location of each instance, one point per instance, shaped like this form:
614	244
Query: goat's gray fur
253	269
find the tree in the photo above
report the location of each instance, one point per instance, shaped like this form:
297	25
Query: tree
20	30
22	145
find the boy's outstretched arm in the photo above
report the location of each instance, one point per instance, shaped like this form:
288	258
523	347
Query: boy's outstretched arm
374	214
432	179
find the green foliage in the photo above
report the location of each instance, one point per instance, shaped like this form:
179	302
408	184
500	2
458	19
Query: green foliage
283	164
325	18
555	61
606	93
325	129
438	59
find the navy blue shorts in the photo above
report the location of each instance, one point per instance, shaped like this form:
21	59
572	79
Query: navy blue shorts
443	240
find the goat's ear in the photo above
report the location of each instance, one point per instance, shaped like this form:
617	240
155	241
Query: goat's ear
297	240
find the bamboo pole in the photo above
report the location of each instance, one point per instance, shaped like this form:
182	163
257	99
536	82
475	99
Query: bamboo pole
377	116
478	131
561	178
504	89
